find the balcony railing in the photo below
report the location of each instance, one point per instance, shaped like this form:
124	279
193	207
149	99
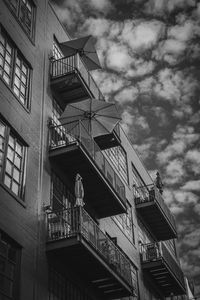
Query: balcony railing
76	221
67	65
76	133
150	193
158	252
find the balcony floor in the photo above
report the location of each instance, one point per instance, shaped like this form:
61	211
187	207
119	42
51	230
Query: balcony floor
76	254
163	277
70	87
155	220
99	193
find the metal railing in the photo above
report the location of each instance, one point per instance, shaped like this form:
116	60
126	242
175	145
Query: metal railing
150	193
65	65
157	251
75	132
76	221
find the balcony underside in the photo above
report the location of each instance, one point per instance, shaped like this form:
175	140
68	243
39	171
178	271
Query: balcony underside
70	87
100	196
156	221
75	254
163	277
108	141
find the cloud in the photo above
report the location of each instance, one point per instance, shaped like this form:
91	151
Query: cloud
192	185
174	172
161	7
108	83
118	58
142	35
127	120
183	138
182	32
102	6
192	157
128	94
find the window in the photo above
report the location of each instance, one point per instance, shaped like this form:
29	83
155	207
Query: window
57	53
9	268
12	160
24	11
60	287
61	197
118	158
125	222
13	69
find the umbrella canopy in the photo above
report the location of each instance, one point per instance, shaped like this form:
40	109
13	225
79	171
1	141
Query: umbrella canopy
98	117
85	47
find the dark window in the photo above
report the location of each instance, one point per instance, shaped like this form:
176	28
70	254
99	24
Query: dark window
9	268
61	288
12	160
13	69
117	156
125	222
61	197
24	10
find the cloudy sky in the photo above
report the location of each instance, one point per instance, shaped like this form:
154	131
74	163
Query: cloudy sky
150	54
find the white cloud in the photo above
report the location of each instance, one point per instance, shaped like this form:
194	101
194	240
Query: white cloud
127	120
128	94
108	83
182	32
142	35
174	172
102	5
192	157
118	58
192	185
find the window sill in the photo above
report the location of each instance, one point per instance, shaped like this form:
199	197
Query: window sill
18	199
24	107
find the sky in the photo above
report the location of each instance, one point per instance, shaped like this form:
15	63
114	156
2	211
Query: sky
150	56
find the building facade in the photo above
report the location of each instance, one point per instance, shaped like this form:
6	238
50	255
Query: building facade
122	243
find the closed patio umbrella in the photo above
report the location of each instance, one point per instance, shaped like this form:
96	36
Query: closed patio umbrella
98	117
85	47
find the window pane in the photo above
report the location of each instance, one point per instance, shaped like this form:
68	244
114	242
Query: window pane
16	175
17	161
15	188
8	167
10	154
2	265
21	83
7	181
10	270
26	15
11	141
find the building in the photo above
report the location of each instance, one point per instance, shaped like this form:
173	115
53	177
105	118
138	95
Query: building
122	243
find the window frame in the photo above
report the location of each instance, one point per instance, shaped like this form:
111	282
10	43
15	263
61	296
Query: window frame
11	244
16	14
9	132
16	54
122	224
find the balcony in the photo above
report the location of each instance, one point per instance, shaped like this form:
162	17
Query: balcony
109	140
73	150
78	243
155	213
163	269
71	80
